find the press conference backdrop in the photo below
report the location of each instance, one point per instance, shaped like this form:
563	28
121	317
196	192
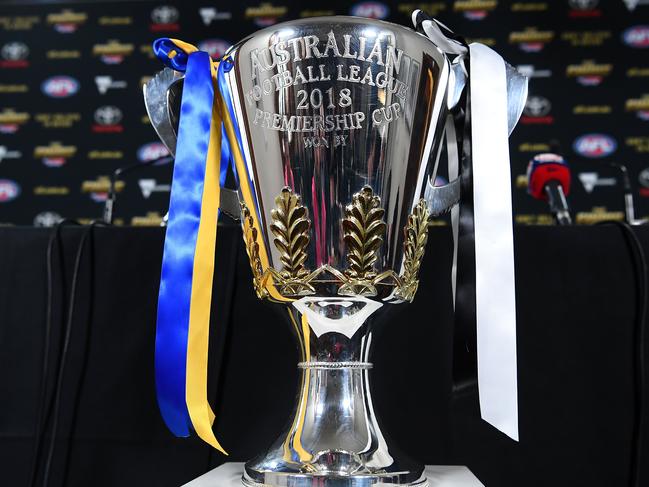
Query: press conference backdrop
71	109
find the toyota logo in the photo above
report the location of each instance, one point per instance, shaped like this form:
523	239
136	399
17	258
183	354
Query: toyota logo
165	14
108	115
583	4
15	51
537	106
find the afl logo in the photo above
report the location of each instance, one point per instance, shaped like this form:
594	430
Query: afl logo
60	86
214	47
9	190
590	80
475	14
99	197
370	10
637	36
595	146
54	161
152	151
532	46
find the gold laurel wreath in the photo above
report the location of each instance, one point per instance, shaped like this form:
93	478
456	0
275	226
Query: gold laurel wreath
363	231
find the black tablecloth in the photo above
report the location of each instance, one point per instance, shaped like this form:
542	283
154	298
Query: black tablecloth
576	296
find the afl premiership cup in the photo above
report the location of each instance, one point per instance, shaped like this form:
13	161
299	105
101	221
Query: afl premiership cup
342	124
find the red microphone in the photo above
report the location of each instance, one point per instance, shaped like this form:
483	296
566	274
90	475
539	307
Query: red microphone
548	179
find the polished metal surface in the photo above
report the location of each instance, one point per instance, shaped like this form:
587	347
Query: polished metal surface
334	439
342	123
158	92
517	85
442	198
329	105
229	475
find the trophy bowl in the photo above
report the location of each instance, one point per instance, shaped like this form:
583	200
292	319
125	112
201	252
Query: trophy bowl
341	124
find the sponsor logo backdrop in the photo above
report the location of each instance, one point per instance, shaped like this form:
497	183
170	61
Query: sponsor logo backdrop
71	109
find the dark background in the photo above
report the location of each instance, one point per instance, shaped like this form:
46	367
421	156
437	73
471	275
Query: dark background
576	294
575	286
565	106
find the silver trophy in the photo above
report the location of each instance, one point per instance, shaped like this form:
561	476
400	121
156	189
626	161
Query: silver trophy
343	123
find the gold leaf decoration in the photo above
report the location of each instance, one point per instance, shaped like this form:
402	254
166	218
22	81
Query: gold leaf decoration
252	248
414	247
363	229
363	233
290	227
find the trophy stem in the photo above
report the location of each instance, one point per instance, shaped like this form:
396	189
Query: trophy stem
334	439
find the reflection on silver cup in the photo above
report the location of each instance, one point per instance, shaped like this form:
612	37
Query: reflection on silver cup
342	121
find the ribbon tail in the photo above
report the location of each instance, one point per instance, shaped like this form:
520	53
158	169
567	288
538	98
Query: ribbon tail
246	189
180	243
495	296
200	411
184	304
482	276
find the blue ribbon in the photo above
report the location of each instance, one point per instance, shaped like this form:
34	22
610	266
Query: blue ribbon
227	161
182	228
163	49
225	66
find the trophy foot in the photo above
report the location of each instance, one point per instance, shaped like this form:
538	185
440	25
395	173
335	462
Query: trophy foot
327	481
332	468
253	478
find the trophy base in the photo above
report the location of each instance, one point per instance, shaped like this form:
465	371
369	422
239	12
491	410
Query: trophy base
230	475
276	479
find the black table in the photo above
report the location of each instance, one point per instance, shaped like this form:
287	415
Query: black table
576	310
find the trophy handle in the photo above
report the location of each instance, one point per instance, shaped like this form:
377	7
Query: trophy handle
157	100
162	97
452	44
441	199
517	84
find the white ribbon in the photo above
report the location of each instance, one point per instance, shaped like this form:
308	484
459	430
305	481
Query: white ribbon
494	241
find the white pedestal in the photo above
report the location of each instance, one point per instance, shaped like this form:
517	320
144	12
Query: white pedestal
229	475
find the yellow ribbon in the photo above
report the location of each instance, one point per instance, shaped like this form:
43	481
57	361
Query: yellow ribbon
198	405
200	411
249	200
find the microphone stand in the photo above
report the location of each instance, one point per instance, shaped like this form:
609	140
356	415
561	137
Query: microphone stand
109	205
558	203
629	208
